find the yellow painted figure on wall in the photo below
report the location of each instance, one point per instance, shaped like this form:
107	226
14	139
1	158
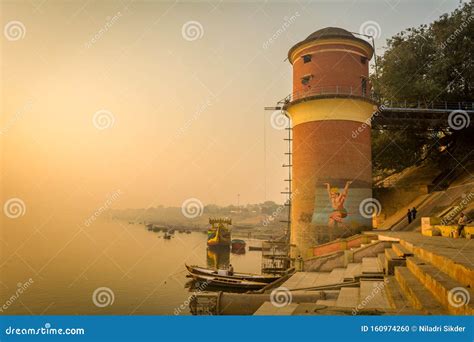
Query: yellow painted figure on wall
337	200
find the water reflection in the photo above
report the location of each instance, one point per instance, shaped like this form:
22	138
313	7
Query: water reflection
218	258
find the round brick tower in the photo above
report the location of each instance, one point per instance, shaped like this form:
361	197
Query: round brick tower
332	169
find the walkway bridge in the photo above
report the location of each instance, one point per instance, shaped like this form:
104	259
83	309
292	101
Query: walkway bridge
390	114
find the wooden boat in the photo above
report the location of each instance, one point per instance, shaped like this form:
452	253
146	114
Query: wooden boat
238	246
218	235
207	272
218	281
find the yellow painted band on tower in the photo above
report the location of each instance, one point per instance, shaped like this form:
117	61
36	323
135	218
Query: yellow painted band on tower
331	109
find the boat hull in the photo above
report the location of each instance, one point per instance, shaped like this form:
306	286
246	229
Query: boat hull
236	276
217	281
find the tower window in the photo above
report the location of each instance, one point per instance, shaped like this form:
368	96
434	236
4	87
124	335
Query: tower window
307	58
364	86
305	79
363	59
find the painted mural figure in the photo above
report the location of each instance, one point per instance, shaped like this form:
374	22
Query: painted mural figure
337	200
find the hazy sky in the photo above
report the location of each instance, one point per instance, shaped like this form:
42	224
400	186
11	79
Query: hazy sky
179	112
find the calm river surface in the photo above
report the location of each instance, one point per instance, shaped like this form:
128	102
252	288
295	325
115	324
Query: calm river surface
143	272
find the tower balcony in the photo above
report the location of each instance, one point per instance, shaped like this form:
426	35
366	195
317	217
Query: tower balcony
328	92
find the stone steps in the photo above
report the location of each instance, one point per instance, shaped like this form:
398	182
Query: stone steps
381	258
401	251
327	302
392	260
370	265
443	287
457	271
394	294
416	293
372	295
352	271
268	308
336	276
348	297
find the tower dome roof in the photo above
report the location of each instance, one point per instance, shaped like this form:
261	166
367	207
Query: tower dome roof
331	33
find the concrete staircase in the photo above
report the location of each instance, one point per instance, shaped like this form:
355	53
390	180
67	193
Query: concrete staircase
422	285
409	277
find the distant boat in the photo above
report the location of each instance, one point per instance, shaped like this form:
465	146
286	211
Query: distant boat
167	236
258	248
238	246
218	235
188	232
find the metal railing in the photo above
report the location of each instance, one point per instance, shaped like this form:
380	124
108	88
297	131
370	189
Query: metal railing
358	92
328	91
441	105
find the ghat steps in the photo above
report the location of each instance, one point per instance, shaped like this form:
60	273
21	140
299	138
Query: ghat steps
413	276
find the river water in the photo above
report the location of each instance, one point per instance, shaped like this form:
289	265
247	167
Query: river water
131	270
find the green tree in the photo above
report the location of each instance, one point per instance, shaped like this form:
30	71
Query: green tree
428	63
431	62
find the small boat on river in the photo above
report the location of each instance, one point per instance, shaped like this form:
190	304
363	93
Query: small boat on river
223	276
237	246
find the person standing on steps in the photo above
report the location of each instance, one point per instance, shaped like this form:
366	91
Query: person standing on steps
413	213
462	222
409	217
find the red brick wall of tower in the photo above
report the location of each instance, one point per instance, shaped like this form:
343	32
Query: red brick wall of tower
331	65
